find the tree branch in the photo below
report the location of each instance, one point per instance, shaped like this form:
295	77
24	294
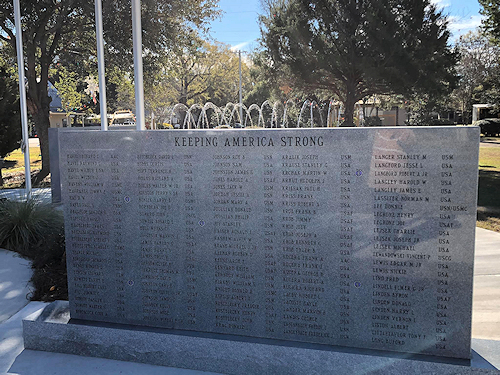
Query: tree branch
40	32
10	34
61	18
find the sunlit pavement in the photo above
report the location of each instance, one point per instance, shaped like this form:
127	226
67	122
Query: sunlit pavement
43	195
15	274
486	294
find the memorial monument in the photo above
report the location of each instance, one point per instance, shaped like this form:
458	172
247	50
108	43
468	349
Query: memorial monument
356	238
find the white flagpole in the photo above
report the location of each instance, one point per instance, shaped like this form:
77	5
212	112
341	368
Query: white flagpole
139	85
100	64
25	146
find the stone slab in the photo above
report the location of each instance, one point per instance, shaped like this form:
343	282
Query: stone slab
55	174
51	331
353	237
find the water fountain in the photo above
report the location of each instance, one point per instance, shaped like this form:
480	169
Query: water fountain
269	114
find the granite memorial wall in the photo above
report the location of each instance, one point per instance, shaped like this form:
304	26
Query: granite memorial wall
357	237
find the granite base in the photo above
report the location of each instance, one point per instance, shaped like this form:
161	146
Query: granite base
52	330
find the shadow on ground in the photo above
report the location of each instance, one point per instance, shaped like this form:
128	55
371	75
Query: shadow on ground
489	189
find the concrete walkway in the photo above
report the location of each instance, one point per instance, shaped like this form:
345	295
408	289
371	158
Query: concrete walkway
15	273
42	194
486	294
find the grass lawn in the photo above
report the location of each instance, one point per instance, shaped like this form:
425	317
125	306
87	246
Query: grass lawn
488	215
13	174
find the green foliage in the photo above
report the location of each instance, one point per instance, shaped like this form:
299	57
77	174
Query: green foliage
119	90
358	49
35	230
489	90
477	69
373	121
64	31
49	277
490	127
491	23
29	226
10	119
198	73
263	83
67	88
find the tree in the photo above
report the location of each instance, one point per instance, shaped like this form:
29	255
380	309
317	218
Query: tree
478	61
10	119
202	72
355	49
491	23
56	28
119	90
67	89
489	90
263	86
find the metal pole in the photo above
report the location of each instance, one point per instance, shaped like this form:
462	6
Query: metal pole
100	64
25	146
241	100
312	118
139	85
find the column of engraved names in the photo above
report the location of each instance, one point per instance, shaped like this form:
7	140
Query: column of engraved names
235	298
399	182
88	238
346	245
448	209
191	243
158	192
118	210
272	218
303	261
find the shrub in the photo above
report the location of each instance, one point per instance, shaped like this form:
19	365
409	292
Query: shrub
49	272
28	224
35	230
490	127
373	121
442	122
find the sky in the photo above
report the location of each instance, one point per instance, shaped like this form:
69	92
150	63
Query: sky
239	25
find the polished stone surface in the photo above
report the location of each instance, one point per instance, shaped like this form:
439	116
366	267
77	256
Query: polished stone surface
51	331
352	237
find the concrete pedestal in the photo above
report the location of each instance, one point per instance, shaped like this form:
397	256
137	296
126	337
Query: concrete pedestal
53	331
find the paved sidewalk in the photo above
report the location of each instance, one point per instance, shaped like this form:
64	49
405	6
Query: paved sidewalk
486	294
15	274
42	194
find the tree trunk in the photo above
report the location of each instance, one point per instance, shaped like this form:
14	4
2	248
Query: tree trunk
184	92
1	166
40	113
38	101
349	103
42	126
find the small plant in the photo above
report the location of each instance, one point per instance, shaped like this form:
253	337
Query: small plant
25	224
